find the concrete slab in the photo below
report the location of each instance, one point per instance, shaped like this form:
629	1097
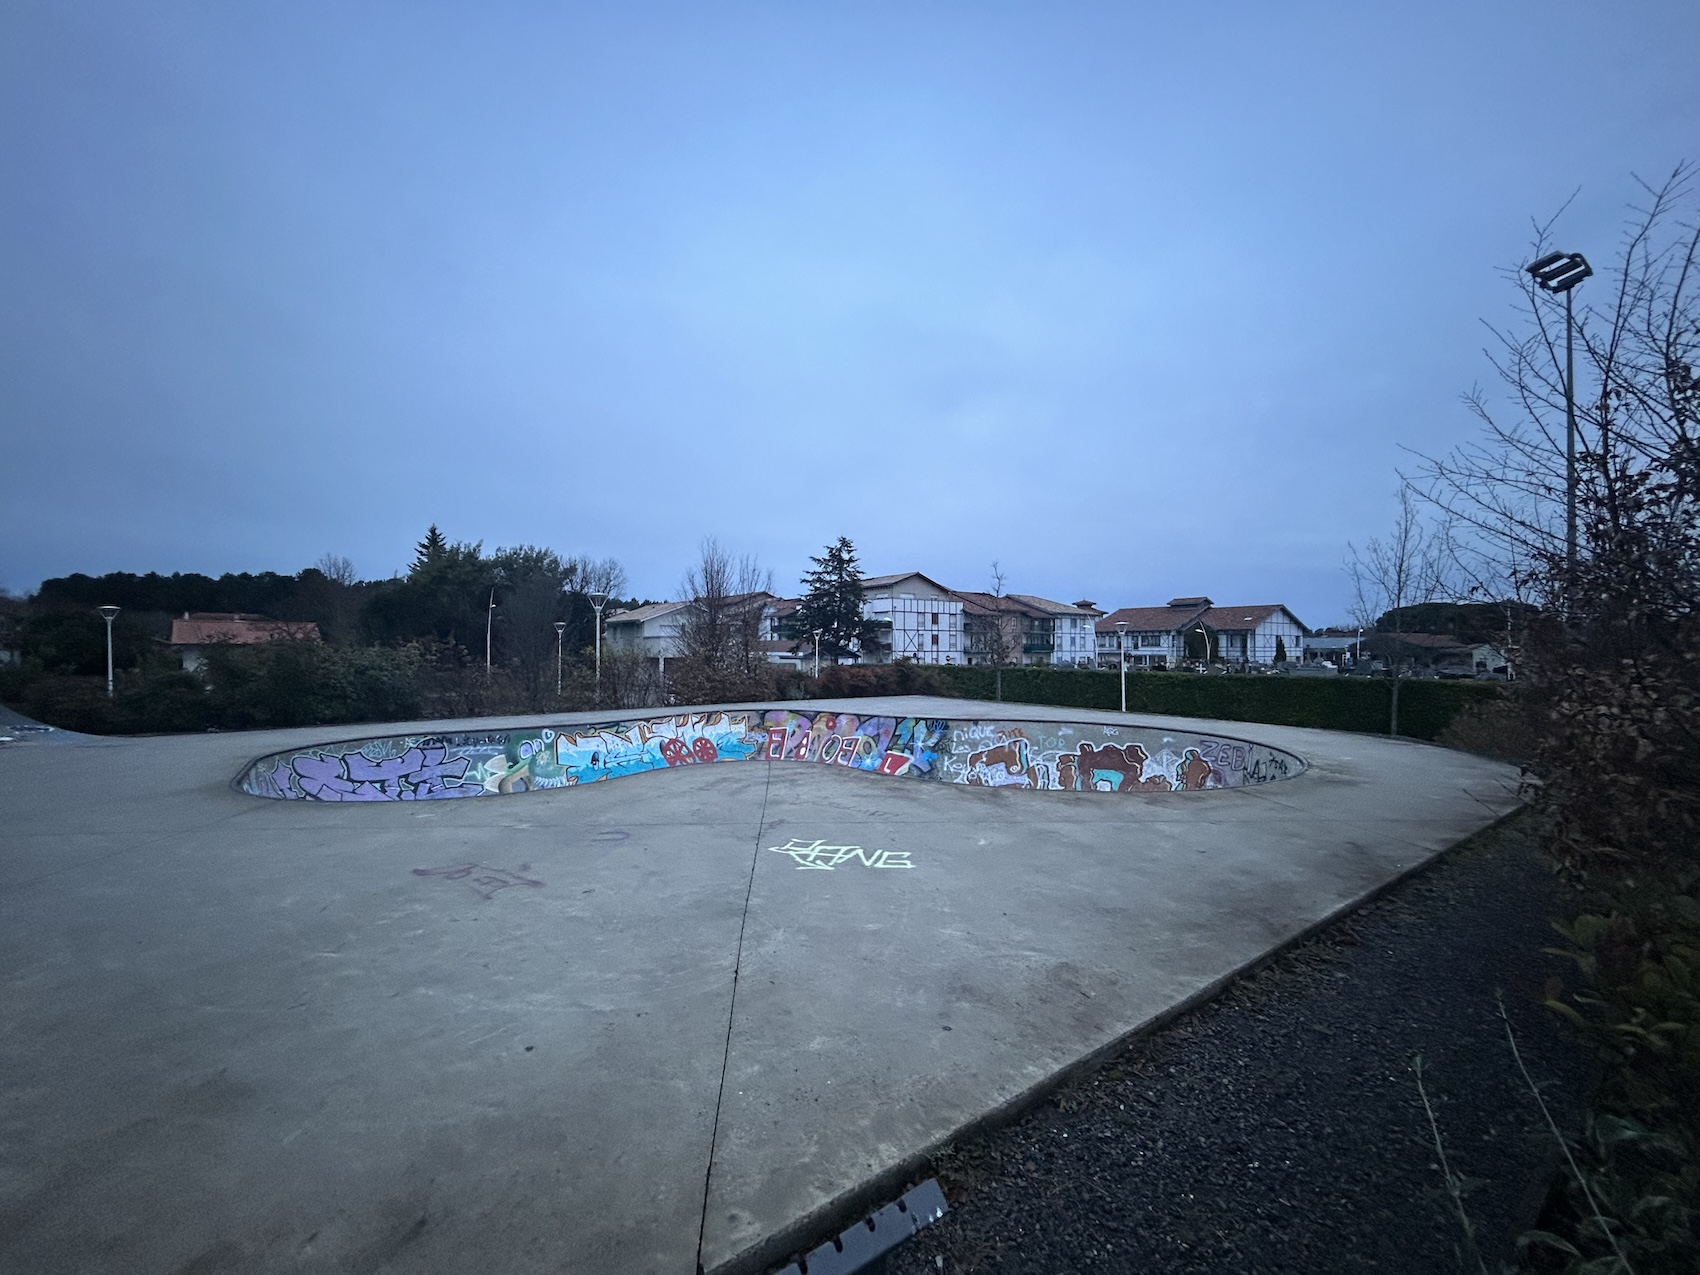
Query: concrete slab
244	1035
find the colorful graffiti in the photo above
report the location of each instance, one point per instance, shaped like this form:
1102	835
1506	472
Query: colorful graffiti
1056	756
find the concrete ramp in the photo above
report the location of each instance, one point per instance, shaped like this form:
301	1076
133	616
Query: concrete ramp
701	1015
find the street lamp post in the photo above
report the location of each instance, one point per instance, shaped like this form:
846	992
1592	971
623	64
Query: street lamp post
817	652
1561	272
1121	648
598	599
489	625
109	614
560	638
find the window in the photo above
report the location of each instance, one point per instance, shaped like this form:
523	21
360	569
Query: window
935	639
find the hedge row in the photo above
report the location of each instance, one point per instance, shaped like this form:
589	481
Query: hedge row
1331	703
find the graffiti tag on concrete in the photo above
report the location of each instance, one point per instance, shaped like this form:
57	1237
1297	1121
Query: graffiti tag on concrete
817	854
483	881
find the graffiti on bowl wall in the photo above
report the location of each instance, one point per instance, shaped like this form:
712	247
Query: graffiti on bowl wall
1056	756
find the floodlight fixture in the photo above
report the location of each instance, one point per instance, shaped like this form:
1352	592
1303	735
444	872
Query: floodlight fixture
1560	271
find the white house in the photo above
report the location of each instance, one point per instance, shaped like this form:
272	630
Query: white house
1074	639
925	619
656	630
652	631
197	630
1158	637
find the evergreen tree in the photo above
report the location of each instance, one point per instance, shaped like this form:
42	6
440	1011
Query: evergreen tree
431	550
832	604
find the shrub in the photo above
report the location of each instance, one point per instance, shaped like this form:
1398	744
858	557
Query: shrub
1426	708
310	683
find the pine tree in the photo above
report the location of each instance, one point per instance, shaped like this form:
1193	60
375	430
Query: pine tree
430	550
832	603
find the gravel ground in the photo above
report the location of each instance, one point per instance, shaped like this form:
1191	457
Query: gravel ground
1279	1128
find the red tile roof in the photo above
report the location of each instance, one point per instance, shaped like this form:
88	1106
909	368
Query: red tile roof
1174	617
1151	619
203	628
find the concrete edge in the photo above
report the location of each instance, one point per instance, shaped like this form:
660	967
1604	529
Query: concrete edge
771	1253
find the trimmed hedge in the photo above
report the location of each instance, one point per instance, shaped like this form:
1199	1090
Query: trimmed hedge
1426	706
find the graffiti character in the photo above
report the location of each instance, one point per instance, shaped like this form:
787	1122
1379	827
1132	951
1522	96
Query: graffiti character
1112	769
1193	772
1002	765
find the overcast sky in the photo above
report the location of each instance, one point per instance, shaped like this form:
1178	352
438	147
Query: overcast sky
1138	300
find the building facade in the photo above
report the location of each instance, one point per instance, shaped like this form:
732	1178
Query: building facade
922	618
1074	635
1196	629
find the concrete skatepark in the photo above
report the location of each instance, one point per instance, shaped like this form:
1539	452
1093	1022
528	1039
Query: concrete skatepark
689	1016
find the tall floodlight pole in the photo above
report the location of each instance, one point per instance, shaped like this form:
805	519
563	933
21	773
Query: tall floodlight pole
489	626
817	652
109	614
1121	650
1560	272
560	638
598	599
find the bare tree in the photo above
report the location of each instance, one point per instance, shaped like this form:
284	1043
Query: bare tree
1404	570
590	575
720	637
992	628
1637	406
337	569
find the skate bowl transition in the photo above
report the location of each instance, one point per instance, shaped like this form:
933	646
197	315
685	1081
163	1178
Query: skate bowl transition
274	1003
1055	755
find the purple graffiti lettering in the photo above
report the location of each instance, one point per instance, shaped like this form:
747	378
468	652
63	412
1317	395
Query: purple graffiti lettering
322	779
417	773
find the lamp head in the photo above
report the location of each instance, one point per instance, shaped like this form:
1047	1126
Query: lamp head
1559	271
108	613
560	627
597	597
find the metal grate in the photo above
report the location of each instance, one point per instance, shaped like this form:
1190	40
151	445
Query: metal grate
875	1235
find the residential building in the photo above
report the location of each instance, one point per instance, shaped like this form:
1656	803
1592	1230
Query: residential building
652	630
1196	628
1074	642
922	618
782	642
1256	634
195	631
656	630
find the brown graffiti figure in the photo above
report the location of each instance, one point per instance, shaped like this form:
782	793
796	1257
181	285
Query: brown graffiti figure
1194	771
1003	765
1116	769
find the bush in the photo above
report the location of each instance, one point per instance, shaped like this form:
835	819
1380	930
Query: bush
310	683
1426	708
150	704
904	677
